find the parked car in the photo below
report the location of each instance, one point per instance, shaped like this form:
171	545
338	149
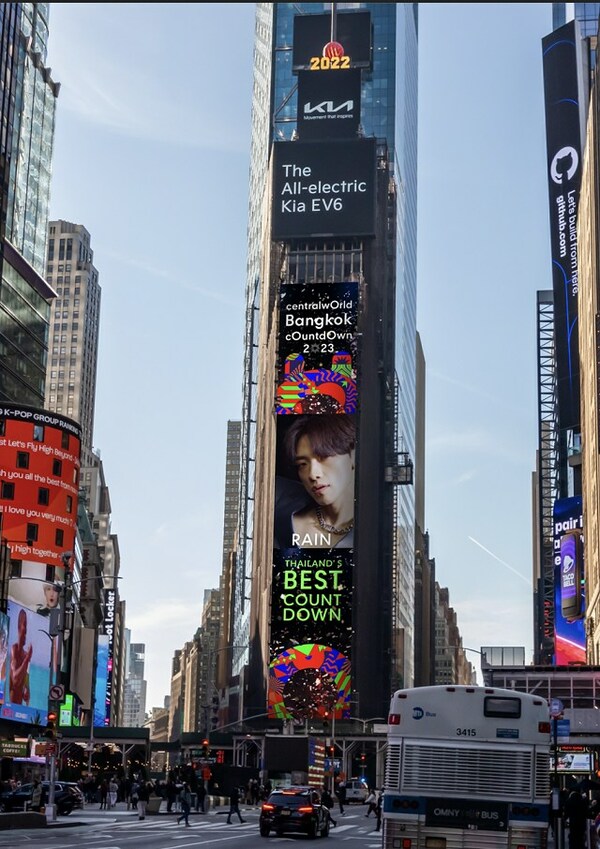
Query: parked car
356	790
297	809
65	797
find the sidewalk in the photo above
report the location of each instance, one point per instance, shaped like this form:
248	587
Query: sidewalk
92	815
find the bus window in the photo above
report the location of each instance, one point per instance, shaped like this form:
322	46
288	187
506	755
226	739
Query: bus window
502	707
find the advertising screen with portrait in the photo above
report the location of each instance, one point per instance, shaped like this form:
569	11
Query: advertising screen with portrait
32	590
314	482
27	681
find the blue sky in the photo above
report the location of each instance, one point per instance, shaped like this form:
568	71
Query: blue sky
152	156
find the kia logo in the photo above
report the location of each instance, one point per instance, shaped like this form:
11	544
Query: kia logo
328	107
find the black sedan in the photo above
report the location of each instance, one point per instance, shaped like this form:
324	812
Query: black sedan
297	809
65	798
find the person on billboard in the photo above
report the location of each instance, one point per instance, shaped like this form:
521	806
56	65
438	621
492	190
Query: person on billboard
51	599
321	448
18	688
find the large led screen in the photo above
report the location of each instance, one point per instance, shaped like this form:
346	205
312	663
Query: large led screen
39	458
323	188
563	102
328	104
312	33
317	349
4	636
569	582
101	705
314	484
27	679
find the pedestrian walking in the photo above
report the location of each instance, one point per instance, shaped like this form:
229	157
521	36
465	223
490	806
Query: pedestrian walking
200	797
371	801
340	792
113	789
185	800
36	796
143	796
103	794
378	809
576	811
327	800
234	805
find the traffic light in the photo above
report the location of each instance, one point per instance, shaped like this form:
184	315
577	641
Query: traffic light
363	758
50	731
205	747
220	756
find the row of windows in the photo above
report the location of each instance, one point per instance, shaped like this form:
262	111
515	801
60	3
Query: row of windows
38	433
16	570
7	491
33	530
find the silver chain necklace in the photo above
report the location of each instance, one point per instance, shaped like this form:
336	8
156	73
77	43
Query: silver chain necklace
332	528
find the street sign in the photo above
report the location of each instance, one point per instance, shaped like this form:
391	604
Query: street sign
562	730
556	708
57	692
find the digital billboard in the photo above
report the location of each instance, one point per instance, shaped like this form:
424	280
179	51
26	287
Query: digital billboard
323	188
27	677
312	34
563	104
328	104
569	582
4	632
317	348
40	459
101	706
110	602
314	483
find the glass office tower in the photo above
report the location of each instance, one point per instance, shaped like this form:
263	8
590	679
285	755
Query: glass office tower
385	269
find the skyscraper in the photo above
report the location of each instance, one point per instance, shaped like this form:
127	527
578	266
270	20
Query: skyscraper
363	264
75	320
568	54
28	104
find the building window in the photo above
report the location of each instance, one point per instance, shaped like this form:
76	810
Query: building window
7	490
44	495
50	572
22	460
38	433
57	468
15	568
59	537
69	504
2	427
32	532
64	440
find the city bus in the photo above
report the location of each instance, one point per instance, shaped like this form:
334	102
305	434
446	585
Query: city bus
466	768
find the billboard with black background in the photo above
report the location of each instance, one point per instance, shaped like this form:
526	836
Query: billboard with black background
562	94
323	188
328	104
313	32
317	348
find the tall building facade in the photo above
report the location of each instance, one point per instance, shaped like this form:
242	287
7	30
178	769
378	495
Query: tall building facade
134	697
362	263
74	325
568	57
28	105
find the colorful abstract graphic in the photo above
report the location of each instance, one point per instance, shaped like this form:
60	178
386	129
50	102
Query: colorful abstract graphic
319	390
312	680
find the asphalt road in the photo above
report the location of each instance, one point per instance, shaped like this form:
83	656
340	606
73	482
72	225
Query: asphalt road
122	830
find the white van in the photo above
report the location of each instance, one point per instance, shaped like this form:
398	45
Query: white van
356	790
